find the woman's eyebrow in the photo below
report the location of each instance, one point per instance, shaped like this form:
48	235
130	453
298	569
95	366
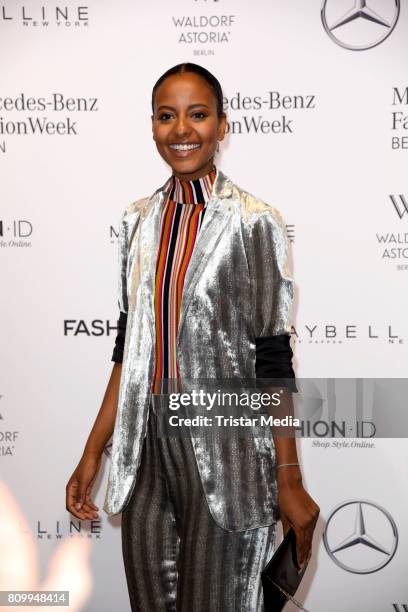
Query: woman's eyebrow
188	108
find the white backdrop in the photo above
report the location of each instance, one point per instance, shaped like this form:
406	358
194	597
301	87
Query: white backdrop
76	148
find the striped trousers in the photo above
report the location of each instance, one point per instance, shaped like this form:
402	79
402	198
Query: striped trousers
176	557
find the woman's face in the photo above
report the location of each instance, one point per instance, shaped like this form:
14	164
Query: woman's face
185	113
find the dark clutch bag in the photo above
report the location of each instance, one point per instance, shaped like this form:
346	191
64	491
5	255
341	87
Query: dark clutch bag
281	576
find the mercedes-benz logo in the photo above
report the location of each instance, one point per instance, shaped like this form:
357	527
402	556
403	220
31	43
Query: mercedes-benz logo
360	23
356	549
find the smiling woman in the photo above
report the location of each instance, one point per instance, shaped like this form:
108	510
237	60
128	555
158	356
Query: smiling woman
187	122
205	294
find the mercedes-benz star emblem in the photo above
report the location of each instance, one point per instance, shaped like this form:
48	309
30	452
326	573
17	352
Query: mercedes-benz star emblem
360	27
367	547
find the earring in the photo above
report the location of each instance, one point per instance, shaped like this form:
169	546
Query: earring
218	146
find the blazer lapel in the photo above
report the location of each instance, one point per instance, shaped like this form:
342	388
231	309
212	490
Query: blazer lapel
149	244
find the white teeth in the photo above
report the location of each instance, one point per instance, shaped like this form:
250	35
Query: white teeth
184	147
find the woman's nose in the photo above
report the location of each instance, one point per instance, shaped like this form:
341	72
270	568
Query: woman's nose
181	127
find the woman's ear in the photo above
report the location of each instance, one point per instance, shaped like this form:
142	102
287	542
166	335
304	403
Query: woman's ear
222	127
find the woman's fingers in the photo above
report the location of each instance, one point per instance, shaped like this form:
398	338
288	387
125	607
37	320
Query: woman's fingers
92	514
308	538
298	509
71	491
89	500
300	545
83	513
89	504
307	531
78	500
285	525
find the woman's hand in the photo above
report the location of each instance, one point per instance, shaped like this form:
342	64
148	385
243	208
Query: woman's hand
78	489
297	510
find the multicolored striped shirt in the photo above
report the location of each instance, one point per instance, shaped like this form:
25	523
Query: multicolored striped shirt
181	219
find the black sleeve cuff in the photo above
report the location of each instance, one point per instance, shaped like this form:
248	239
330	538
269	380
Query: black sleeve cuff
117	354
274	360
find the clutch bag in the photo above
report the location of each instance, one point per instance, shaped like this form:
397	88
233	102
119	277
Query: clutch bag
282	575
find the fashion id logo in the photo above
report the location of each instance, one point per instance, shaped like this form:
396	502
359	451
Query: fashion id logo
96	327
15	233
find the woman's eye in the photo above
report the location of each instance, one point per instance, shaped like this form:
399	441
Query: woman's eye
197	115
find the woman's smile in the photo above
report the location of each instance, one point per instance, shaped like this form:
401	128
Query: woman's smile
181	150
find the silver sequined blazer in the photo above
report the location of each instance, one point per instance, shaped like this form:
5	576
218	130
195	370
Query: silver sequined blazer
237	288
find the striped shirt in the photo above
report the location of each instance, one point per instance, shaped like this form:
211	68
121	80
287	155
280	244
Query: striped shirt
181	219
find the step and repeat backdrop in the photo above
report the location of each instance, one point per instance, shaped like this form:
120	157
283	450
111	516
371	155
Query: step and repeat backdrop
316	95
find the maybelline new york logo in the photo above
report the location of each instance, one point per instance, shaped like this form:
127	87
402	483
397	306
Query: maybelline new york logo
359	25
335	333
40	15
59	529
360	536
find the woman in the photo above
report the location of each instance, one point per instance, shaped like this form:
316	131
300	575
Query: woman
204	293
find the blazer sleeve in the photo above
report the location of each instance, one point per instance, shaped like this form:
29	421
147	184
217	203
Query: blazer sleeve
117	355
272	290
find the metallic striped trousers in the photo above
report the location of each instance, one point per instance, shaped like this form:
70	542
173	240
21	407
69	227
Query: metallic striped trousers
176	557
